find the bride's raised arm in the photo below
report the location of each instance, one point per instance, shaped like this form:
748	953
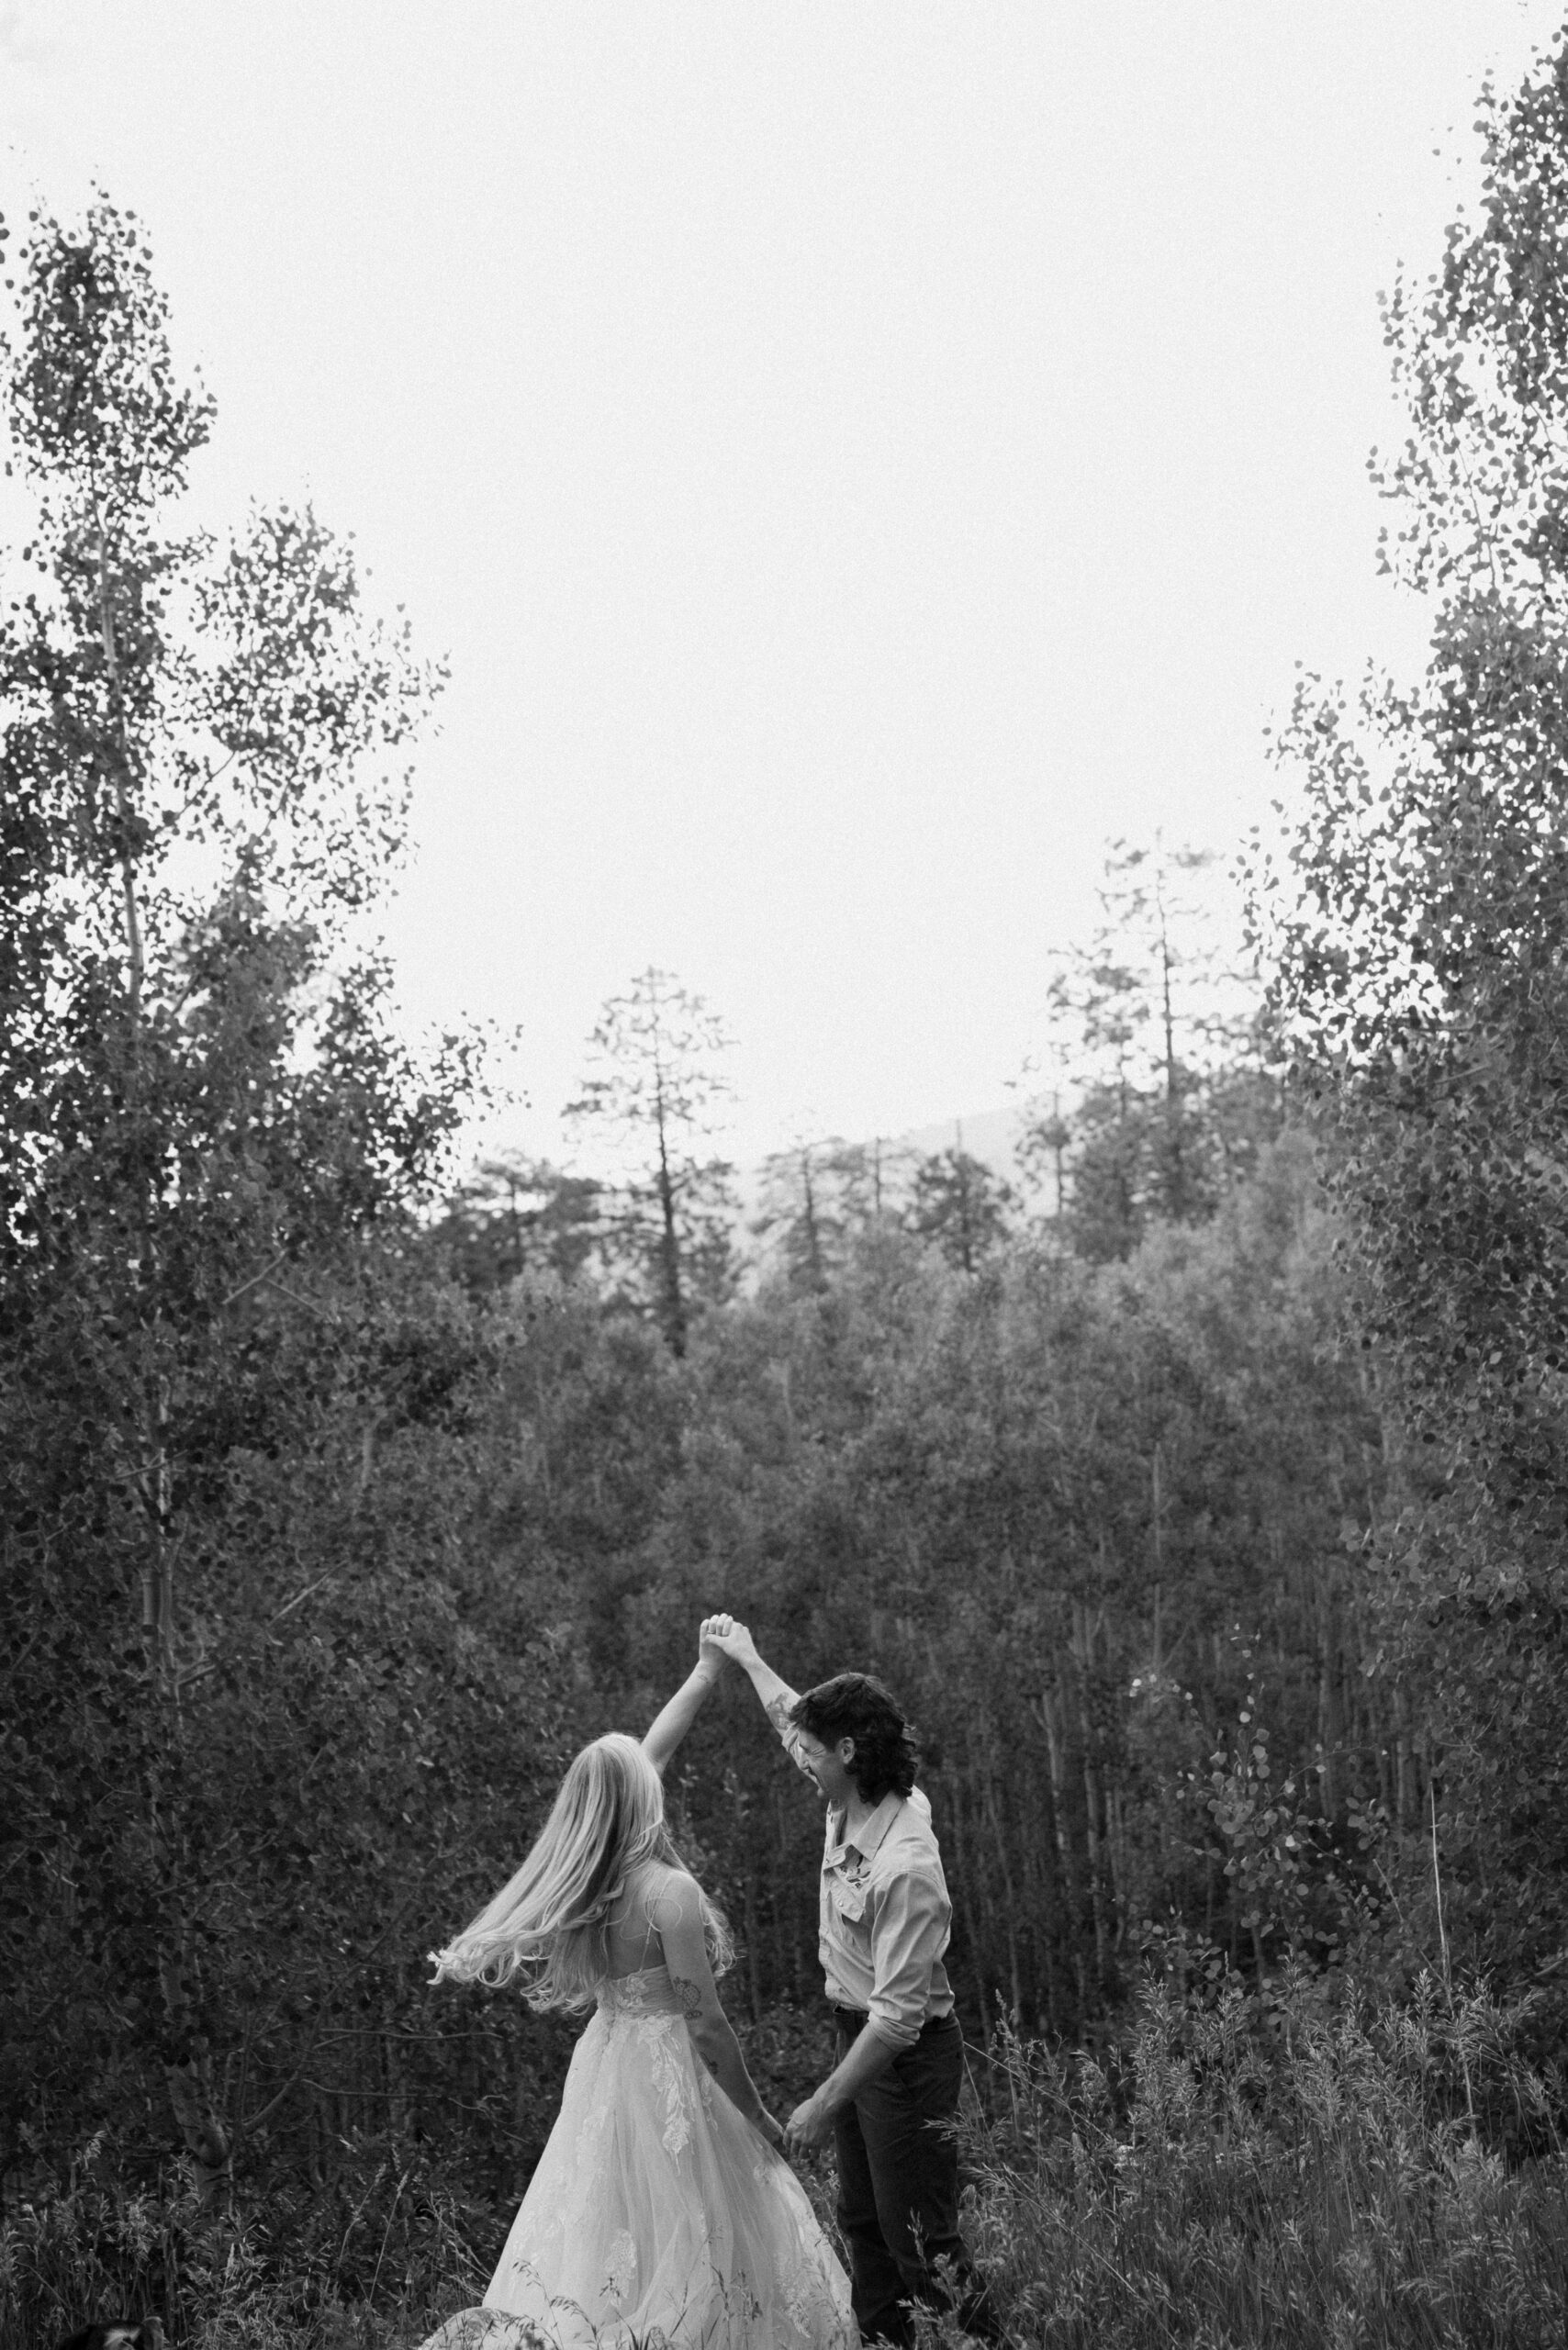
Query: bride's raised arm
673	1719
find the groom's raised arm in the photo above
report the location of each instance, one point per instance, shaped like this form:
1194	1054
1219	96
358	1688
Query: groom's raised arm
774	1693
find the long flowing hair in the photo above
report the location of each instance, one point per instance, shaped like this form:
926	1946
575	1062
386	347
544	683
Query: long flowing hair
550	1921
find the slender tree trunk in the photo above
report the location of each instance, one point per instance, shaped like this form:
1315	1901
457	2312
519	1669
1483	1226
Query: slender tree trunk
1176	1184
135	953
1327	1675
1050	1718
955	1832
1408	1793
669	1240
1015	1972
187	2056
966	1208
1092	1803
1037	1895
816	1269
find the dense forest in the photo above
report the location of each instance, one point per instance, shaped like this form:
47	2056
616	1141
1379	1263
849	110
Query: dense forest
1202	1495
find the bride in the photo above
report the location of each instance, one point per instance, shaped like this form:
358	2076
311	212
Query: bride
661	2206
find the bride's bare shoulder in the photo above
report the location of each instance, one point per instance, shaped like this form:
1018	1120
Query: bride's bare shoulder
649	1884
664	1888
660	1876
651	1871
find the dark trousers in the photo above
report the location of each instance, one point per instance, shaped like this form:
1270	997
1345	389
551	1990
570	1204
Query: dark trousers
898	2185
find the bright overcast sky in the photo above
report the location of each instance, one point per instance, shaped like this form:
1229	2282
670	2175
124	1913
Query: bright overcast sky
858	458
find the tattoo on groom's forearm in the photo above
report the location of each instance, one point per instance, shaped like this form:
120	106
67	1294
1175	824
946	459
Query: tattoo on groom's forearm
690	1996
778	1711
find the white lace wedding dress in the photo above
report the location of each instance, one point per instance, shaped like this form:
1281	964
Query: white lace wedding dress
656	2213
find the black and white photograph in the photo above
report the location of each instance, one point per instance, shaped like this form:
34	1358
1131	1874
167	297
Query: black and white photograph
783	1175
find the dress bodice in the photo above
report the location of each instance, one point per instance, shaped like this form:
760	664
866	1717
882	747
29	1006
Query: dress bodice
649	1992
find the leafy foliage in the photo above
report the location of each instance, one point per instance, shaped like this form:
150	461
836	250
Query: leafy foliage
1418	929
213	1145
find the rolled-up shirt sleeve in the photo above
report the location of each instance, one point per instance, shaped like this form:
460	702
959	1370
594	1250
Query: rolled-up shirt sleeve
910	1917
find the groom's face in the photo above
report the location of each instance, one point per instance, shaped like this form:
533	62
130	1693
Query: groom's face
829	1766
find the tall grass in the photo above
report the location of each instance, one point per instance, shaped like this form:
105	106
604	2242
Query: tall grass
1264	2171
374	2264
1251	2171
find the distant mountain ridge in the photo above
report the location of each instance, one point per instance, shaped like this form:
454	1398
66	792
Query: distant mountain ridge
990	1135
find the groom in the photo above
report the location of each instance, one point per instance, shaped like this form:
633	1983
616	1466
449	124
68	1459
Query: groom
891	2101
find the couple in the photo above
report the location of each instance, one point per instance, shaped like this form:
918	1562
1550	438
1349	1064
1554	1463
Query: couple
662	2205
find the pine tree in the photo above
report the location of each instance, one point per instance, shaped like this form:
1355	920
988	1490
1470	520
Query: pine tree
655	1089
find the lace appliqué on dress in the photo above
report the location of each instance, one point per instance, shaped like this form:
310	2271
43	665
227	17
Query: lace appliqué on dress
621	2268
670	2078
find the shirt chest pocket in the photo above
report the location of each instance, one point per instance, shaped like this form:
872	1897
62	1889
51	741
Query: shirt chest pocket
849	1900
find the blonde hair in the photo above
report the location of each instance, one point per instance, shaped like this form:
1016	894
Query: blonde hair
551	1920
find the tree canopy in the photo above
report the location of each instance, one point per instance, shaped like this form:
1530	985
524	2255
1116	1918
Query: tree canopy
1416	932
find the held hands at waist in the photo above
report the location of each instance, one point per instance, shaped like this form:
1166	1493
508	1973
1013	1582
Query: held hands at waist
811	2124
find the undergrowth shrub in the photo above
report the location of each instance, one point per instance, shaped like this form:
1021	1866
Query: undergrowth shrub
329	2270
1263	2169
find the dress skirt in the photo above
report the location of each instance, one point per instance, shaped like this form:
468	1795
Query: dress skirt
657	2215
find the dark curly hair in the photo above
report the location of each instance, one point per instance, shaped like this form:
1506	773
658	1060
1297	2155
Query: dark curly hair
856	1705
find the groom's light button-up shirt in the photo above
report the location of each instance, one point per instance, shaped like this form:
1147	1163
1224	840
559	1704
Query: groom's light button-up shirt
884	1919
883	1916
